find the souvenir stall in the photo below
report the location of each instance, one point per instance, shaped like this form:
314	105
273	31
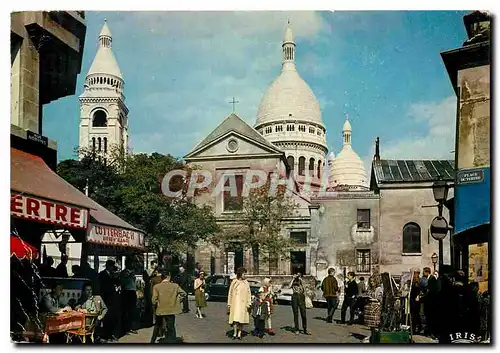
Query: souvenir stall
385	314
40	201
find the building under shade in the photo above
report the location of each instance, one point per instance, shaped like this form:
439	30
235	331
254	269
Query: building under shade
469	70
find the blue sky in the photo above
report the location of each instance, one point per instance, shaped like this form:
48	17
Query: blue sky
182	68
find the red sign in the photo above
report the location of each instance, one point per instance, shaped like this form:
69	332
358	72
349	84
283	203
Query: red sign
32	208
107	235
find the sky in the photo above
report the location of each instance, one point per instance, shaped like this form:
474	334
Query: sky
181	70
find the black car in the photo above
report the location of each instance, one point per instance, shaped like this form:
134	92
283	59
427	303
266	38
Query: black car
217	287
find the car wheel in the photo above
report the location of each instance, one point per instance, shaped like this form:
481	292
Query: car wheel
207	296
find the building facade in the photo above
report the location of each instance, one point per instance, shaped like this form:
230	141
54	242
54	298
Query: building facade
470	74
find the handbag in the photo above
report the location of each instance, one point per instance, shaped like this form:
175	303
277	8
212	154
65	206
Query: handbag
309	303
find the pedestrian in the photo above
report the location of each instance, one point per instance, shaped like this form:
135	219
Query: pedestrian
350	294
268	298
373	303
61	269
330	288
424	280
239	301
260	313
199	294
165	301
182	281
416	323
128	297
299	303
108	288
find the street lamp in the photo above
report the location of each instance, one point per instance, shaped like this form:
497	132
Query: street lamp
440	191
439	226
434	259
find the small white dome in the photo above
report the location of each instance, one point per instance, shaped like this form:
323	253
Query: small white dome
104	61
348	169
288	36
347	126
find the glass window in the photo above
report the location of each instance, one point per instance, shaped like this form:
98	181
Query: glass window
411	238
364	219
363	261
299	237
233	202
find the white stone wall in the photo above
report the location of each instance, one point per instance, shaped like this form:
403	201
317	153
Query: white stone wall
398	207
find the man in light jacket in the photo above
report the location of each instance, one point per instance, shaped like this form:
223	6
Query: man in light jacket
165	300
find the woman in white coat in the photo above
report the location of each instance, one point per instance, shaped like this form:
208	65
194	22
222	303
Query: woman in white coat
239	302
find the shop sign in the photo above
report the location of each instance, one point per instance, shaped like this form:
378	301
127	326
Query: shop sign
470	176
33	208
107	235
43	140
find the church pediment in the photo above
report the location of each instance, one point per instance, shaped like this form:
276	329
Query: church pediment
234	145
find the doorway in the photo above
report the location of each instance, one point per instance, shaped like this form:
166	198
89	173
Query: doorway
298	262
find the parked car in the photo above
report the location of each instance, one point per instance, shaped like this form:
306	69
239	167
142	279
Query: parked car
285	295
217	287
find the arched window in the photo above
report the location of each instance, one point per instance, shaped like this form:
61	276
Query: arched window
291	162
411	238
93	143
105	145
99	119
99	144
302	165
311	167
319	169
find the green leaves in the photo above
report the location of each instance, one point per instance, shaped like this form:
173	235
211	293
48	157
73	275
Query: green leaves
130	187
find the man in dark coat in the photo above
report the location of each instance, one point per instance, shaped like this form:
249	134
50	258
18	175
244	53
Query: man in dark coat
430	304
182	280
128	297
350	294
61	269
108	282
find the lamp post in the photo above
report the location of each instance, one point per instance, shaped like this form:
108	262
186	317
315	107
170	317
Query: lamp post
439	225
434	259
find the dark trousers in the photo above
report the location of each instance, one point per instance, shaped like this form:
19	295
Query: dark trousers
416	323
129	305
160	322
112	319
299	303
331	303
185	304
260	326
348	303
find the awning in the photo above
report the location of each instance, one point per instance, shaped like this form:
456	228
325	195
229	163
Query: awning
106	228
21	249
472	199
39	194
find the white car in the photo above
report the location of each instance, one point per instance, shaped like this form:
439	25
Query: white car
285	295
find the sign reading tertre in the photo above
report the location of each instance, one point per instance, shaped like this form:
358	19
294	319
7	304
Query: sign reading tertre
107	235
32	208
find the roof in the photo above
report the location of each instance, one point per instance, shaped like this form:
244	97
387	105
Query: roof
233	123
410	171
29	174
106	217
104	61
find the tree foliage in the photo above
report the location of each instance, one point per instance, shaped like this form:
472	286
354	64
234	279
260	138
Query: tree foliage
130	187
260	225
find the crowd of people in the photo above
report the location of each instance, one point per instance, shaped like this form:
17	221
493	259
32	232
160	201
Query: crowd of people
444	304
438	304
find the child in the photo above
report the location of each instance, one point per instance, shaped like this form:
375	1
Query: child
260	312
268	298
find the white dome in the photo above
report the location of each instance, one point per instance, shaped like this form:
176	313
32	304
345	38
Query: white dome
348	169
104	61
347	126
289	94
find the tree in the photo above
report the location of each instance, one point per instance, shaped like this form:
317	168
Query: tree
260	226
130	187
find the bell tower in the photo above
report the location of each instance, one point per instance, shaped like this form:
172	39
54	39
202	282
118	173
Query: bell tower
103	112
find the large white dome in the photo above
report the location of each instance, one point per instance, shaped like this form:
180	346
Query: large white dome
289	97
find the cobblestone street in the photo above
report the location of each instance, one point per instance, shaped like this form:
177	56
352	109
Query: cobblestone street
215	329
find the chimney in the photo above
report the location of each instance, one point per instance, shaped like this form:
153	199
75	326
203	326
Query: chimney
376	157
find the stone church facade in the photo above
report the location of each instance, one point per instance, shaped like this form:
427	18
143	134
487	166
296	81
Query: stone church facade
354	221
